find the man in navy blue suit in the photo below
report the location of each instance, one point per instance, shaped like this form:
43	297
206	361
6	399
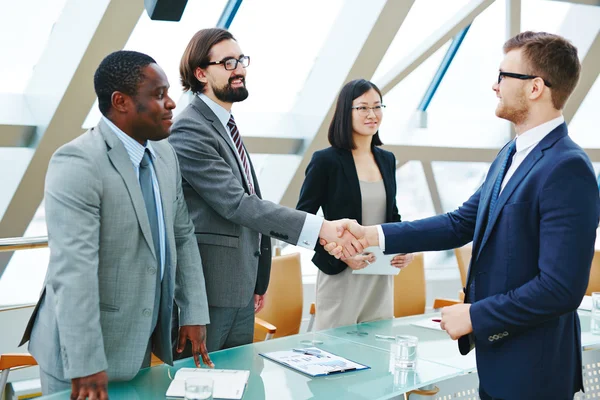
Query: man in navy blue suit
533	227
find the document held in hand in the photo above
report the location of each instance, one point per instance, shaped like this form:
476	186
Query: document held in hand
228	383
313	361
382	264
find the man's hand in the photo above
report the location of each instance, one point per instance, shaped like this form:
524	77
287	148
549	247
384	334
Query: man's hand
335	231
197	335
402	260
259	302
456	320
360	261
93	387
365	236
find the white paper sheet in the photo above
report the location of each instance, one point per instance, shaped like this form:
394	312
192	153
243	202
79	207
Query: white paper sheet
429	323
228	383
381	266
586	303
313	361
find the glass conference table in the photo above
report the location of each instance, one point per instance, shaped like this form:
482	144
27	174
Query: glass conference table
438	360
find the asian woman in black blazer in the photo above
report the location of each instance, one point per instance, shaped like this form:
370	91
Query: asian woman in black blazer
353	179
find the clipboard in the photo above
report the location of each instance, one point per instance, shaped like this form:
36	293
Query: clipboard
313	362
381	266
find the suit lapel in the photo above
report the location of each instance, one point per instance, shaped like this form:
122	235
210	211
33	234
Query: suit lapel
166	191
388	182
122	163
209	115
522	171
349	169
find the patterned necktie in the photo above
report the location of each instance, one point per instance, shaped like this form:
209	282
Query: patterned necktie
498	184
237	140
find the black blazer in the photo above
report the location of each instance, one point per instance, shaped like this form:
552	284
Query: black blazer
331	182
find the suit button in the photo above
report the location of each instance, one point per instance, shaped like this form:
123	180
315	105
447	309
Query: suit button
147	312
257	253
152	270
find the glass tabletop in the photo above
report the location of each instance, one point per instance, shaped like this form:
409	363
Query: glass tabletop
269	380
588	339
434	345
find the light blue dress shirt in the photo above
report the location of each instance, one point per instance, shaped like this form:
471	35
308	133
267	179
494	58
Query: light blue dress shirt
136	153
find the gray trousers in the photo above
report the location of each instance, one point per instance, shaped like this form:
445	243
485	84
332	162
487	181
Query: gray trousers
229	327
52	385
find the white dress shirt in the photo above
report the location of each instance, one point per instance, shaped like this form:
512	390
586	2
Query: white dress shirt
312	224
525	142
136	152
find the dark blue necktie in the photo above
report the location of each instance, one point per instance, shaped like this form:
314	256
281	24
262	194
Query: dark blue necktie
503	168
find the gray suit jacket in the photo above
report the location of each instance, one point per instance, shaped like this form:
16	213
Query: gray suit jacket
95	311
226	218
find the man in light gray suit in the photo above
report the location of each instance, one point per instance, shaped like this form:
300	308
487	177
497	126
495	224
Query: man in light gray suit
232	222
121	241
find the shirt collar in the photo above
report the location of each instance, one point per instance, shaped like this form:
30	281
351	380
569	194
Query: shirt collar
134	149
535	135
219	111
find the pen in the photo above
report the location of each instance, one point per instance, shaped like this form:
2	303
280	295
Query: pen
436	320
308	352
385	337
339	371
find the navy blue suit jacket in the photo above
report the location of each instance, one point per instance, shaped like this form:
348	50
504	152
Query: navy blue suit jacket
530	267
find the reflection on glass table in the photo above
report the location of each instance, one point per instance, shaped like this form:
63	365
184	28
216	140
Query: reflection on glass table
269	380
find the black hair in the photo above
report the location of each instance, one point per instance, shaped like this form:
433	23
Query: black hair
121	71
340	129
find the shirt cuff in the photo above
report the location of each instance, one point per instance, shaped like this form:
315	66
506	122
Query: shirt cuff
310	231
381	237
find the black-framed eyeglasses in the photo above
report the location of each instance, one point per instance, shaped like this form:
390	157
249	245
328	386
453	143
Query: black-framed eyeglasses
502	74
231	63
363	111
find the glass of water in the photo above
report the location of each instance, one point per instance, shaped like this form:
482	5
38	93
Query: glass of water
199	388
406	352
595	328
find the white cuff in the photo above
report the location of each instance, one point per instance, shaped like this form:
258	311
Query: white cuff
381	238
310	231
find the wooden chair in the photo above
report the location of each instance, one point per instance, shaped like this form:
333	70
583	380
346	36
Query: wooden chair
282	313
463	258
594	284
409	289
13	361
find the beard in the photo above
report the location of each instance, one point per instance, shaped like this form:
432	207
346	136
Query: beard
516	113
227	94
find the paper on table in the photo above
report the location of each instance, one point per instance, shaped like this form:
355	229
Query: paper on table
228	383
586	303
381	266
429	323
313	361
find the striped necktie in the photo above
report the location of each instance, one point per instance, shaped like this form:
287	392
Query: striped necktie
237	140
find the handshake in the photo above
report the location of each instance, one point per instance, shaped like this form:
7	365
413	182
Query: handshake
346	238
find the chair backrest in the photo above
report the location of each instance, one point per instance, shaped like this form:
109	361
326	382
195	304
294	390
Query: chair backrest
594	285
283	302
463	257
409	289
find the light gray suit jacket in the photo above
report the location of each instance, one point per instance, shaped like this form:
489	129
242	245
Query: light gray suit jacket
95	311
226	218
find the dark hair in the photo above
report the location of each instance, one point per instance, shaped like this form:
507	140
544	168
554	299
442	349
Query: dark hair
552	58
197	54
340	129
121	71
